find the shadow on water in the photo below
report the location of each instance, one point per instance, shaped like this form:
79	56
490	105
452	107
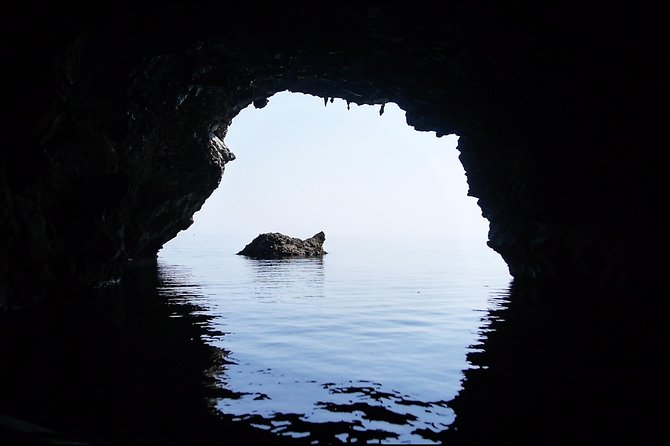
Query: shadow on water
568	365
116	366
133	365
365	415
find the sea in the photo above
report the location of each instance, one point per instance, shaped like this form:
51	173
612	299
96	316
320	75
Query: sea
367	344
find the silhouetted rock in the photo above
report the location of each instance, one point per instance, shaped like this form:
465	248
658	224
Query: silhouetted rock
114	135
273	245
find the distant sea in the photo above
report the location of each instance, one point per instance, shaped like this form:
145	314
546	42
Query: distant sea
367	344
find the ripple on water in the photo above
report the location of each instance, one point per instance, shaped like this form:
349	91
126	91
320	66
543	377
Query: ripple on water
367	344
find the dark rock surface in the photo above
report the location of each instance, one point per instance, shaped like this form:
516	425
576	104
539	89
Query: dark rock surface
115	116
273	245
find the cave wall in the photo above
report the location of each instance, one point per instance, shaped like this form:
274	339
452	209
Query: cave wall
115	116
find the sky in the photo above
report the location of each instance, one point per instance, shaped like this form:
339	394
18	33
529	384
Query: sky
302	167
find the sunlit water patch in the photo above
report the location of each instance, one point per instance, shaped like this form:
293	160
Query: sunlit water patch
367	344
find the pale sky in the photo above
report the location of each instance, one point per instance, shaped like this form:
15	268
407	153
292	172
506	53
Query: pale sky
303	167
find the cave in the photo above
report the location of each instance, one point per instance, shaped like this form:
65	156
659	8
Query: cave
113	127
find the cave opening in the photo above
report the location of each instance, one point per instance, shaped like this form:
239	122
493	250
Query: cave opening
369	342
305	164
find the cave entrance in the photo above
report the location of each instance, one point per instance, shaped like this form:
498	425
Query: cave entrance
348	170
368	343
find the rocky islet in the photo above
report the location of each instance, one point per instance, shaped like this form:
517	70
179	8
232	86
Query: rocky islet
273	245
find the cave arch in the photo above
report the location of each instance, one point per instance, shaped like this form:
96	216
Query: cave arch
128	111
344	169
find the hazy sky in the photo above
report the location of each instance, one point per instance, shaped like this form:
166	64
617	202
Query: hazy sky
303	167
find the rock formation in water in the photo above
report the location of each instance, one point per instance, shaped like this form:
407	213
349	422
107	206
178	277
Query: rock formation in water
273	245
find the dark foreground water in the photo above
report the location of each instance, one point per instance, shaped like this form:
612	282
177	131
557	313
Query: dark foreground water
367	344
370	344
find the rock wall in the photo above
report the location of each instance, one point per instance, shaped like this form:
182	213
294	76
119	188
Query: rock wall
115	116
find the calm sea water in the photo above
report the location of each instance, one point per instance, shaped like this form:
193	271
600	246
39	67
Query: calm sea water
367	344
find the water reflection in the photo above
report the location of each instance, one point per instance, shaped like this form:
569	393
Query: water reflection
147	363
568	364
273	378
151	363
356	411
121	366
286	278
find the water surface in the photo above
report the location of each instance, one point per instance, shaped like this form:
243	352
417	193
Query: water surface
368	343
